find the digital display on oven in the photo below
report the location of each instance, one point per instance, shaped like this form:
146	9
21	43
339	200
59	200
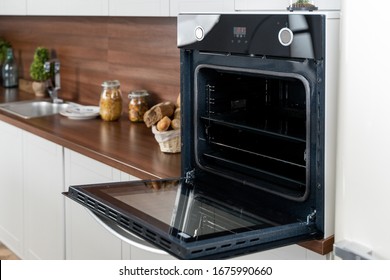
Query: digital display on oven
239	31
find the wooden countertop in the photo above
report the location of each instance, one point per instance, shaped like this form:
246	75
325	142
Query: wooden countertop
127	146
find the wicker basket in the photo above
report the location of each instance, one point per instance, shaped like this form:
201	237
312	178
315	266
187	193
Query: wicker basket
169	141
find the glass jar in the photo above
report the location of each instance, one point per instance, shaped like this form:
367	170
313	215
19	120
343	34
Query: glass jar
110	101
138	105
10	70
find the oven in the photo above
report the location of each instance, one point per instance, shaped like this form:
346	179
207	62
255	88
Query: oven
258	95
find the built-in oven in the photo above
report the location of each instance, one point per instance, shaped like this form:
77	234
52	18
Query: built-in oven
258	98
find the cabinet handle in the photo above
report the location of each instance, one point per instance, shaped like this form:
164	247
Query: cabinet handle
125	235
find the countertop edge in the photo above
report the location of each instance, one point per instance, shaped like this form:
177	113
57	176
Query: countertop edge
96	155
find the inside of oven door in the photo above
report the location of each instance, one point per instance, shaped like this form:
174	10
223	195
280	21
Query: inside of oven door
187	220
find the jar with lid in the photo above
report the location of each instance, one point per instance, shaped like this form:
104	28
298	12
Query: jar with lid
110	101
138	105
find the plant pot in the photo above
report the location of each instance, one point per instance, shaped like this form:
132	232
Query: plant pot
39	88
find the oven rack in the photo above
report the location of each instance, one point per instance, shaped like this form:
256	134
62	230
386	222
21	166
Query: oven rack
268	181
259	145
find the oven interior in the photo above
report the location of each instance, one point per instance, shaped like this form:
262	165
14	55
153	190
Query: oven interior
253	128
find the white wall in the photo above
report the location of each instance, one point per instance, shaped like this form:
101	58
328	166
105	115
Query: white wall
363	179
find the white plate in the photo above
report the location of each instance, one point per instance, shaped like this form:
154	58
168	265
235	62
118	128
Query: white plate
81	112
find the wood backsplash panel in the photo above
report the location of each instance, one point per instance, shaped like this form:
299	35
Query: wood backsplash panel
140	52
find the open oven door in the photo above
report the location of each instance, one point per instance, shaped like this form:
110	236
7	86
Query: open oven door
191	221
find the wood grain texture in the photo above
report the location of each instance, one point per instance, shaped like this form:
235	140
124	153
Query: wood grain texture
322	247
139	52
127	146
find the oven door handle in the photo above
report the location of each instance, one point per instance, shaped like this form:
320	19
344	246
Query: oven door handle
125	235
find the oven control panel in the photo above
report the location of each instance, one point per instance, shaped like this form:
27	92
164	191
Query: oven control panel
284	35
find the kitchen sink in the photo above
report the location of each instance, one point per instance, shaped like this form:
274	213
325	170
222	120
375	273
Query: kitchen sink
33	108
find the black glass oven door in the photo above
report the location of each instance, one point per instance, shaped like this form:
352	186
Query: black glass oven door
186	220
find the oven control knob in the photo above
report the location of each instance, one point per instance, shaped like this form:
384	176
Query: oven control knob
199	33
286	36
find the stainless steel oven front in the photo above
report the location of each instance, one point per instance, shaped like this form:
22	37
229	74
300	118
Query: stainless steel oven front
258	121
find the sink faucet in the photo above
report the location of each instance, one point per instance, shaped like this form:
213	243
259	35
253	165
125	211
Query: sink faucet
55	84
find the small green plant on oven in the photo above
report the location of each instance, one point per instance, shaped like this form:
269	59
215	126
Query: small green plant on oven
303	5
37	68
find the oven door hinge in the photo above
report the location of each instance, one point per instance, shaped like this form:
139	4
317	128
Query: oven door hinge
190	176
311	217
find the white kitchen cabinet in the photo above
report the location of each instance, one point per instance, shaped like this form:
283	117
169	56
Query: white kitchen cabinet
139	8
291	252
137	253
44	217
280	5
85	238
31	204
67	8
11	188
98	7
264	5
201	6
13	7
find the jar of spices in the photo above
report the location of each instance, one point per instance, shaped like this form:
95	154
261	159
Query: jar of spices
138	105
110	101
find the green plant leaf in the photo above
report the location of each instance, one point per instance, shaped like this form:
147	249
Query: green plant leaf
37	68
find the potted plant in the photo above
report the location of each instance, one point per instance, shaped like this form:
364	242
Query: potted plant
38	72
302	5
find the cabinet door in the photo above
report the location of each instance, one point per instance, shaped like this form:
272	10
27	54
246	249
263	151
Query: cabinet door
261	5
44	215
138	253
11	188
291	252
201	6
139	8
85	237
13	7
281	5
68	7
